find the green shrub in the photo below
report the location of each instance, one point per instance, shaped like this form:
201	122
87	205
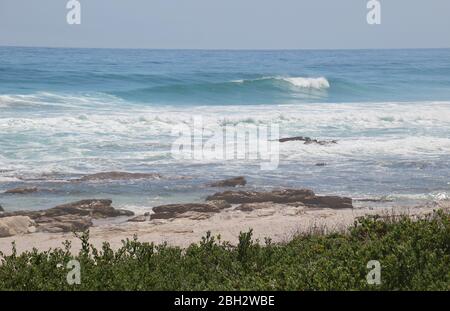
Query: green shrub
414	255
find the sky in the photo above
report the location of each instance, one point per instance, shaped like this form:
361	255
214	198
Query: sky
226	24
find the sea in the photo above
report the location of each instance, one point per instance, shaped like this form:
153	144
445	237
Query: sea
66	113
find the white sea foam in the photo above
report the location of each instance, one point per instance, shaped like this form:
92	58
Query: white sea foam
53	99
91	140
309	83
300	82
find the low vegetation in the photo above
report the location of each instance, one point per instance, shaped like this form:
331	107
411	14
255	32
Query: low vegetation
414	255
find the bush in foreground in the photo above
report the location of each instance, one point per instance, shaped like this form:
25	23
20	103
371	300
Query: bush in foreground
414	255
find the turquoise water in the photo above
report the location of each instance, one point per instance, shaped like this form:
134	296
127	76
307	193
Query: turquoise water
69	112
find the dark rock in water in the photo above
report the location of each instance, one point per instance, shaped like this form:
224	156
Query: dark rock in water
74	216
1	209
285	196
25	190
277	196
308	140
231	182
176	210
118	176
321	164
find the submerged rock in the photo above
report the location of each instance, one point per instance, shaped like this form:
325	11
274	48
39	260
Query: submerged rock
304	196
231	182
177	210
14	225
25	190
118	176
307	140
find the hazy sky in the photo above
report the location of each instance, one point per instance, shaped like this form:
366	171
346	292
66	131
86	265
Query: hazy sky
226	24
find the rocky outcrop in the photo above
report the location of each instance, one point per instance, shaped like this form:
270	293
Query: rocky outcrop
93	208
118	176
231	182
277	196
76	216
186	210
308	140
64	223
25	190
14	225
304	196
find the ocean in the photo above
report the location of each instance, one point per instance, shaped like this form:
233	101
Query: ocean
65	113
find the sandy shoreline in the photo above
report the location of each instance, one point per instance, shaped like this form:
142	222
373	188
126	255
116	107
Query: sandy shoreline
277	221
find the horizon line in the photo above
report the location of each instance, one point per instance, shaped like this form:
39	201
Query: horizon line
220	49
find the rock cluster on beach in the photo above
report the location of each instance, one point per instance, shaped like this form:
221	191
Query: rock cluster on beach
190	210
79	216
75	216
305	196
249	201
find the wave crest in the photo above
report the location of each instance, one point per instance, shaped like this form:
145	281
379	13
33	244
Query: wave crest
300	82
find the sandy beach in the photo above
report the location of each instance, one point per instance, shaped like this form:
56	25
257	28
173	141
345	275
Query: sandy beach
280	222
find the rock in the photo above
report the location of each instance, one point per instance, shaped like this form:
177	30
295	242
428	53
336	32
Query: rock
10	226
304	196
140	218
175	210
277	196
1	209
232	182
321	164
65	223
25	190
94	208
118	176
308	140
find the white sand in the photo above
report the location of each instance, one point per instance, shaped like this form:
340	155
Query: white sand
279	222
